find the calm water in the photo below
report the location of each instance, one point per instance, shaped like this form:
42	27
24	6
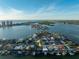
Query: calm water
17	32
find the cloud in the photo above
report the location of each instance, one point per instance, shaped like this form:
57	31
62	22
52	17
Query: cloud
9	13
46	12
12	13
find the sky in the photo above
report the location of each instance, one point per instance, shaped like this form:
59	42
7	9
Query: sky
39	9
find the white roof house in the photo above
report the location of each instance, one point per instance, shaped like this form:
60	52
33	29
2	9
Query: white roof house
34	36
18	47
52	38
45	49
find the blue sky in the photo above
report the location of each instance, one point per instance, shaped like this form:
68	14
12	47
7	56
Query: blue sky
39	9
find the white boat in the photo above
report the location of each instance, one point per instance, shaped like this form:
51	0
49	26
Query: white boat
64	53
45	53
58	54
71	53
33	53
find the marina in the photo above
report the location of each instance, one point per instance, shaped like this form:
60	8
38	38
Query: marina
41	42
35	40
